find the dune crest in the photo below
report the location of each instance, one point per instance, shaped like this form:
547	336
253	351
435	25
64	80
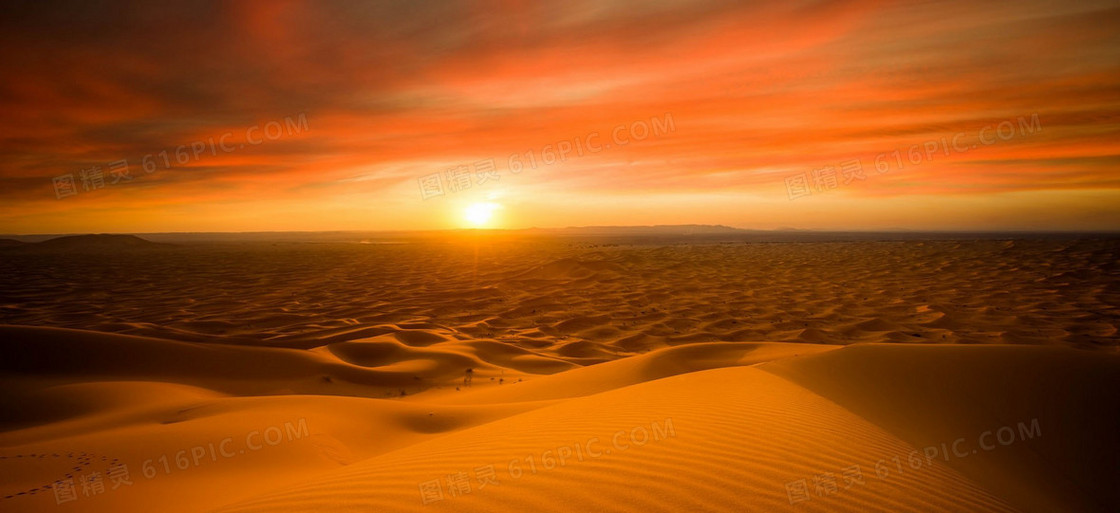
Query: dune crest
775	426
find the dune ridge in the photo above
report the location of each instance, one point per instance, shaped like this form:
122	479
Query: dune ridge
748	422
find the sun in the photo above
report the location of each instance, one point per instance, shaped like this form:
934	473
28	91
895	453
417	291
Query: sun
479	215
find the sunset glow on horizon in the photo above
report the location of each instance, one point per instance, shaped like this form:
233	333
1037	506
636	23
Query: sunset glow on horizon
480	215
301	115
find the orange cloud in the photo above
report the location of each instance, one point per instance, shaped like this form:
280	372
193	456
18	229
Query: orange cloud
394	92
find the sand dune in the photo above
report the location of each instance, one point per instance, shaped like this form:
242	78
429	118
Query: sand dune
712	426
1071	399
727	451
544	294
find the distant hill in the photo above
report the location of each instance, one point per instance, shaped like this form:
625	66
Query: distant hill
102	242
678	229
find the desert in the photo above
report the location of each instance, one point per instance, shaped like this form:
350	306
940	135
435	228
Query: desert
806	375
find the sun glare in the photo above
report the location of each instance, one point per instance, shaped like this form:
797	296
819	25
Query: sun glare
479	215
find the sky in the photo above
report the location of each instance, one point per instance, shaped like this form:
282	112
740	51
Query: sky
399	115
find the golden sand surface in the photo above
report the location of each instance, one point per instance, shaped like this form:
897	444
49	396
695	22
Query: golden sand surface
558	374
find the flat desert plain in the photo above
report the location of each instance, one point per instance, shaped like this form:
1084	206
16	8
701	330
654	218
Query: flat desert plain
496	373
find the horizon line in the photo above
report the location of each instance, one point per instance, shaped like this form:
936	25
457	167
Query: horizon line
728	230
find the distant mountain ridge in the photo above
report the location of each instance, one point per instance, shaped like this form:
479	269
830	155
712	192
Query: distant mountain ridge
84	243
660	229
